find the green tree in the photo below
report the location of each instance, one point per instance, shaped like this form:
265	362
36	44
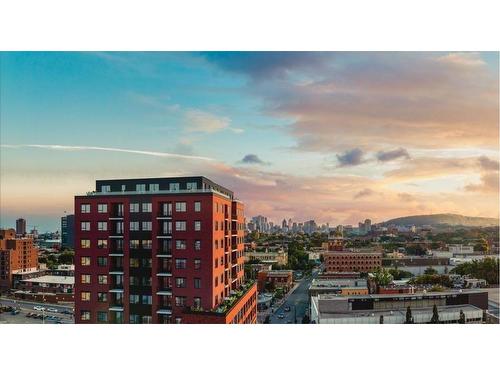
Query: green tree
66	257
382	277
487	268
435	315
430	271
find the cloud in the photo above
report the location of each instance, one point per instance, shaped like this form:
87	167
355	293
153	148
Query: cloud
488	164
488	184
110	149
261	65
252	159
364	193
350	158
205	122
392	155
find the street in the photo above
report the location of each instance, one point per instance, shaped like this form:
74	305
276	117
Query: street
298	301
28	307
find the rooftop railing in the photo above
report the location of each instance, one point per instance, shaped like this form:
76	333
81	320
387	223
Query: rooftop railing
141	192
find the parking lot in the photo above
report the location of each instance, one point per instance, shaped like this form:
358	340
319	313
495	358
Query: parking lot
30	313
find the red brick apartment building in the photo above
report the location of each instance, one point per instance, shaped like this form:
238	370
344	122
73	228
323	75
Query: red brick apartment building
277	279
16	255
161	250
348	261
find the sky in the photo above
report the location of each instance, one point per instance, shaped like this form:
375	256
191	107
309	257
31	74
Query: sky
333	136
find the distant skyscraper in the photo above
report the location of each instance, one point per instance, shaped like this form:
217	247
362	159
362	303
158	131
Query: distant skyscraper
68	231
20	227
283	224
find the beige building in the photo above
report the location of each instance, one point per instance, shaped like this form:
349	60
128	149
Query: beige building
273	257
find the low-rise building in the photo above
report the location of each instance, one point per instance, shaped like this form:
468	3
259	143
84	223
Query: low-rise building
49	284
341	261
343	287
271	280
273	257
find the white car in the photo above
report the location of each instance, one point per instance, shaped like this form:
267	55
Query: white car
52	309
39	308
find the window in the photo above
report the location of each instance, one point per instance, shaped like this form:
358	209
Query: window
197	264
216	281
147	244
180	244
105	188
146	225
85	226
197	302
197	283
85	244
134	207
191	186
85	261
102	225
147	207
134	298
147	300
85	279
197	245
85	208
180	264
180	206
146	262
134	225
102	208
197	206
102	279
102	316
102	297
102	261
180	301
197	225
154	187
180	282
216	262
134	263
135	319
134	244
216	225
85	315
146	319
140	188
85	296
134	280
102	244
146	281
174	186
180	226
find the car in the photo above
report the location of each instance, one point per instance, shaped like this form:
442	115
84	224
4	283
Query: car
66	312
52	309
29	315
15	312
39	308
281	316
287	308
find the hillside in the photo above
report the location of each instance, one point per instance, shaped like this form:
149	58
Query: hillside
444	219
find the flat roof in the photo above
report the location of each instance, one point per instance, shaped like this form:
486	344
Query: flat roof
50	279
401	295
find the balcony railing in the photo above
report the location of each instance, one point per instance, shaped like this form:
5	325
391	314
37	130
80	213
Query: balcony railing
180	191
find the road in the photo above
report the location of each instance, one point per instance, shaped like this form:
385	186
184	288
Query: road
28	307
298	301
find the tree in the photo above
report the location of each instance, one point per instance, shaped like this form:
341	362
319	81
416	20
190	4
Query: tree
487	268
435	315
66	257
382	277
409	317
381	320
430	271
461	320
306	319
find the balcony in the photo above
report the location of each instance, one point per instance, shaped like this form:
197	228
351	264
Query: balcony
164	291
164	272
116	269
164	215
179	191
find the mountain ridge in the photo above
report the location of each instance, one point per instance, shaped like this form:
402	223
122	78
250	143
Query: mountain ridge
443	219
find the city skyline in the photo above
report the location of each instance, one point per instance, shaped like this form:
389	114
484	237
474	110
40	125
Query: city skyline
334	137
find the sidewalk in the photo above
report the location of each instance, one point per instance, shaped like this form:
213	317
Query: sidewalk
277	304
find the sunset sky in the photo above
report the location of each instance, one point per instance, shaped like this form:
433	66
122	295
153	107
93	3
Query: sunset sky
335	137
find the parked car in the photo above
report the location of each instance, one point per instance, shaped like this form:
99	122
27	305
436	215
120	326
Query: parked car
281	316
52	309
39	308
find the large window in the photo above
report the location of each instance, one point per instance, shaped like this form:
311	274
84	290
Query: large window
134	298
197	245
85	226
180	263
85	244
85	208
180	301
191	186
134	263
147	300
180	206
85	296
154	187
197	225
174	186
102	279
134	225
197	206
102	208
197	283
102	297
134	207
140	188
134	244
147	207
146	225
180	226
102	244
197	264
197	302
102	225
85	261
147	244
180	244
105	188
85	279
